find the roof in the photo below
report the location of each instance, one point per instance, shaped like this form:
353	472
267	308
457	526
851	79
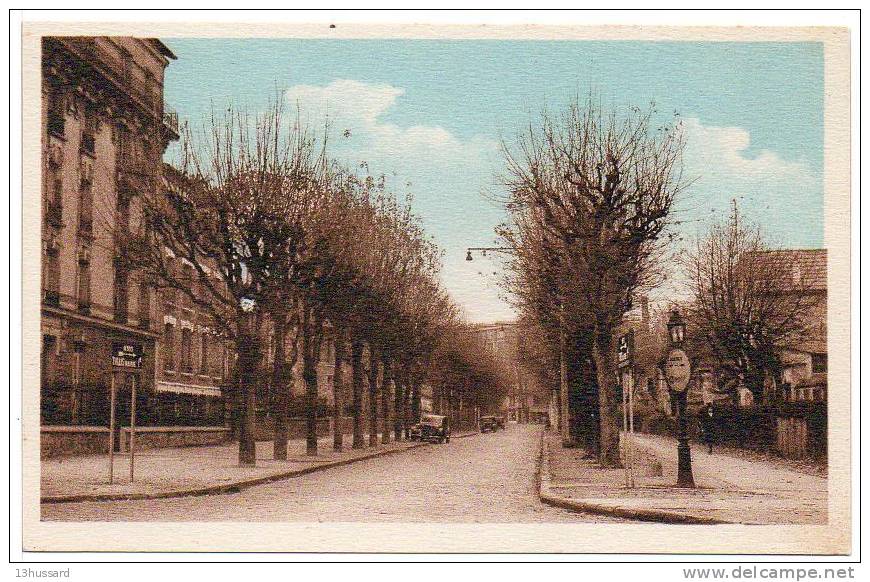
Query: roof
163	49
806	268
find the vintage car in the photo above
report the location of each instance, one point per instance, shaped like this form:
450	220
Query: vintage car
489	424
432	428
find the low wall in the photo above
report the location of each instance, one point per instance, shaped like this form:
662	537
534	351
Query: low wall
792	430
155	437
65	441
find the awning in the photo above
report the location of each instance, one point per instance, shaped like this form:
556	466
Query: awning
194	389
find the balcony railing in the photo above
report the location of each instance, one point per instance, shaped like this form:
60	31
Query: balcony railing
170	121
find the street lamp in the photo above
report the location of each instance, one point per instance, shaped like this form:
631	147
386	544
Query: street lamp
676	328
678	371
483	251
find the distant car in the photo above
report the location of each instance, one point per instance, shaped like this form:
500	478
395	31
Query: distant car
415	432
501	422
435	428
490	423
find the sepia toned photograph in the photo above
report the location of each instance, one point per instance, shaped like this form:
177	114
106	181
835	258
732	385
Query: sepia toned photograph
436	289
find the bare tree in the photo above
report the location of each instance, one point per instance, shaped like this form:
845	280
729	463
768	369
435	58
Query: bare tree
227	220
748	304
600	186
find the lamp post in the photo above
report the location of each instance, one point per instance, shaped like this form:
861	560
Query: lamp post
678	371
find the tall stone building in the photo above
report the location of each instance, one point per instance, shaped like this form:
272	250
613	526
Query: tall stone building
104	131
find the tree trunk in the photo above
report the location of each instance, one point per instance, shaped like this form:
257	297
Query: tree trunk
248	357
398	415
415	403
406	409
282	389
338	393
608	406
373	398
309	374
386	389
356	352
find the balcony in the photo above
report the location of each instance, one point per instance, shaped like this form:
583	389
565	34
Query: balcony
136	173
170	122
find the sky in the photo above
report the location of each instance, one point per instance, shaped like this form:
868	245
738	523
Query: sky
432	114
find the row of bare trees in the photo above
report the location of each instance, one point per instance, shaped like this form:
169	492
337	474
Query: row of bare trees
266	234
591	197
590	193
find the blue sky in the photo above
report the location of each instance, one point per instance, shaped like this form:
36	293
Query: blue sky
431	114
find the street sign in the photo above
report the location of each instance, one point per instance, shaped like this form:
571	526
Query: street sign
624	349
678	370
127	355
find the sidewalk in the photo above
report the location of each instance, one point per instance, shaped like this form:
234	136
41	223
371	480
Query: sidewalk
729	489
185	471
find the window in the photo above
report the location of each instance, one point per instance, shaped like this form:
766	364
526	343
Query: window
56	119
89	132
218	361
124	152
169	347
819	363
84	287
203	355
86	212
144	305
186	348
169	292
187	281
54	203
51	273
123	212
121	298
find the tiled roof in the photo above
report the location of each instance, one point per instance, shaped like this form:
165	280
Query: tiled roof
805	268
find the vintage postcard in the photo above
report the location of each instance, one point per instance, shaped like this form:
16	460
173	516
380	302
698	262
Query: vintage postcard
332	288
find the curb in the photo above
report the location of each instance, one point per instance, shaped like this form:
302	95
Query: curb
580	506
228	488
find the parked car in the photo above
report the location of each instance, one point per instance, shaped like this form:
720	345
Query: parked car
434	428
415	432
501	421
488	424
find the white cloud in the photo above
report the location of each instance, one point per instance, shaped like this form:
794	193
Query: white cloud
446	173
721	151
357	108
783	196
344	99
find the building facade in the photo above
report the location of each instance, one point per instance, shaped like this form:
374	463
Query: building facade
525	402
104	131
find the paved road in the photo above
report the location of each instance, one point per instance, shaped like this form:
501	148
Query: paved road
482	478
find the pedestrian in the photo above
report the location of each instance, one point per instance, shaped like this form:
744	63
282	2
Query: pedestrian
707	426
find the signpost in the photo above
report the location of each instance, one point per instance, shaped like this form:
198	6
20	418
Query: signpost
125	356
624	358
678	371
